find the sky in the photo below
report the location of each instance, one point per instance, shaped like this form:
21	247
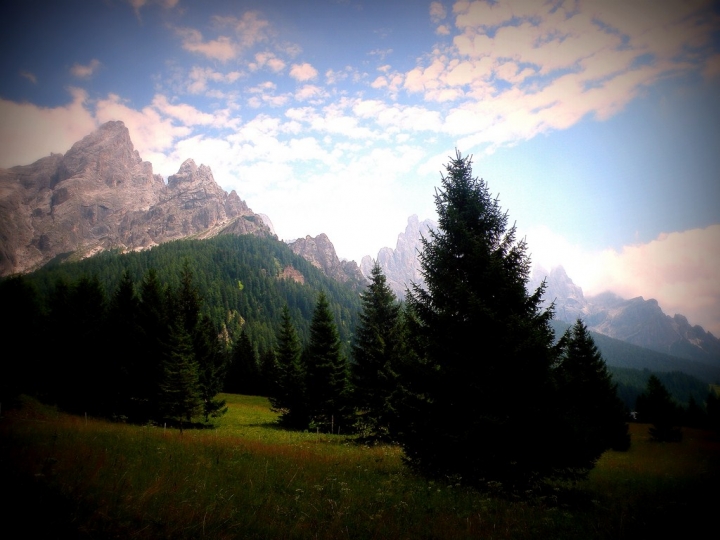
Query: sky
595	122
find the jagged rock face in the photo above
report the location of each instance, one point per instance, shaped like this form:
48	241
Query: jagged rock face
568	301
320	252
101	195
401	265
642	322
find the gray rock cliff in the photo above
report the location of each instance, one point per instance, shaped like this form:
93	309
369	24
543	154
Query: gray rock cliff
101	195
401	265
320	252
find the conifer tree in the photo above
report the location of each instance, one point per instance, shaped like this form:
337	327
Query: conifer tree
327	372
22	324
180	395
269	373
208	358
154	337
377	352
289	397
594	417
125	355
480	393
656	406
84	391
212	366
243	372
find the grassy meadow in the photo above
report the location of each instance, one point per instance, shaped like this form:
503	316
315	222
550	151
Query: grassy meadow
68	477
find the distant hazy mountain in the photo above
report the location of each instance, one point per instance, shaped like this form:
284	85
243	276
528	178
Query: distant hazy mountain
661	342
401	265
622	354
637	321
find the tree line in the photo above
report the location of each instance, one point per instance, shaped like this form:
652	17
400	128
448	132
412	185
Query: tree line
466	375
145	353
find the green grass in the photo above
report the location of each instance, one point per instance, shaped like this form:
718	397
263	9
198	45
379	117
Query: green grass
249	479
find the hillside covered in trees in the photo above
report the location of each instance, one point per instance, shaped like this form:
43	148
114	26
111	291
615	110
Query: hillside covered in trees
461	376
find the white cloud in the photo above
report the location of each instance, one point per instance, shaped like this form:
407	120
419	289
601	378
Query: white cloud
311	92
152	134
267	59
85	71
29	76
303	72
519	68
199	78
138	4
222	48
187	114
437	12
250	29
29	132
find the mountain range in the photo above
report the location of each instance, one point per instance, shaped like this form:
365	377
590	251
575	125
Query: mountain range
635	321
101	195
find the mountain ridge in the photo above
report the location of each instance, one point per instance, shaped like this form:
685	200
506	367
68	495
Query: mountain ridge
636	321
101	195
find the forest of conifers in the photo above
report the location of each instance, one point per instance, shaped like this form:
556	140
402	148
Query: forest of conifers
471	359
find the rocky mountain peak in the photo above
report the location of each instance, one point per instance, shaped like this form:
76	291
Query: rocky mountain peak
190	173
401	265
107	153
101	195
320	252
568	299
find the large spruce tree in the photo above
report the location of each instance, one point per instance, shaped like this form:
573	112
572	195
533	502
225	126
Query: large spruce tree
327	372
377	352
289	395
243	375
179	391
479	400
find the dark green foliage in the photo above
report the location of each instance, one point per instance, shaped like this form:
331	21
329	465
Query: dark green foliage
593	417
20	317
377	353
219	264
269	373
481	394
682	387
146	358
243	372
656	406
125	357
179	396
327	372
77	335
212	367
289	395
208	357
154	323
